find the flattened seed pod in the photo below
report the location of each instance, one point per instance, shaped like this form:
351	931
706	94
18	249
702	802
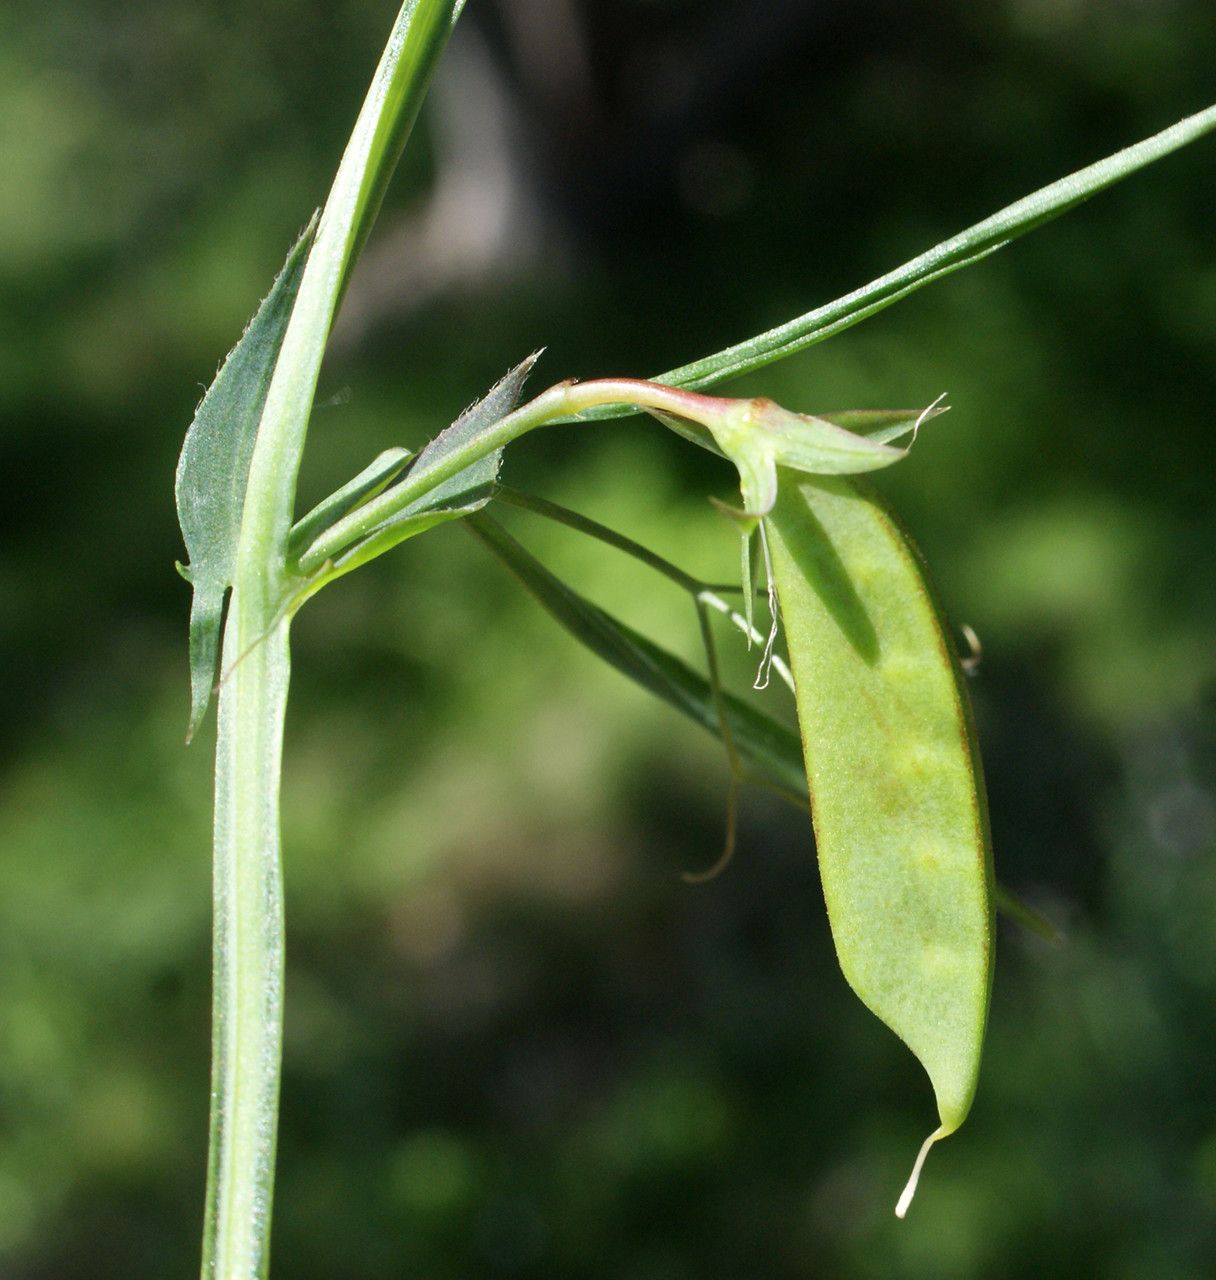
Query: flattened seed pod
897	793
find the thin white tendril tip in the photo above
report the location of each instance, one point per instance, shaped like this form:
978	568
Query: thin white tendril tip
905	1199
766	658
927	412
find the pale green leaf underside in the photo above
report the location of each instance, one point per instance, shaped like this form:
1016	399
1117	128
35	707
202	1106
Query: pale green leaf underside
213	470
880	426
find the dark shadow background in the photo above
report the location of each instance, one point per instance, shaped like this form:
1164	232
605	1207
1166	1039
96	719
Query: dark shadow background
517	1045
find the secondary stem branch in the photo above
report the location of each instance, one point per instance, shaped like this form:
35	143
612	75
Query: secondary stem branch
557	403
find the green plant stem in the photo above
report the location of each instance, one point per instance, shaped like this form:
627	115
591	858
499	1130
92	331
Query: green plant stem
248	942
249	925
248	906
556	404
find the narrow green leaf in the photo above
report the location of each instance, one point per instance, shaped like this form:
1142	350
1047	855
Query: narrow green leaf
761	742
373	479
897	792
1022	913
580	523
951	255
705	595
213	470
962	250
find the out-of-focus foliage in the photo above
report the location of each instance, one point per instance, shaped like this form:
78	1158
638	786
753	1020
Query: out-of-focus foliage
517	1045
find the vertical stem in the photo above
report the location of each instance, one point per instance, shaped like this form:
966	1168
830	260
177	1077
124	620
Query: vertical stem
248	946
248	964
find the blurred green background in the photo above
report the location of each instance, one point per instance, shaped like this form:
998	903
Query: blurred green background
517	1044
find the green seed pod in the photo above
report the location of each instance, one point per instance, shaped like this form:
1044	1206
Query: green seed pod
897	793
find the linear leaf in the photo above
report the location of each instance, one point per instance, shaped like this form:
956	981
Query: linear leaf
951	255
706	595
213	470
961	250
764	743
376	476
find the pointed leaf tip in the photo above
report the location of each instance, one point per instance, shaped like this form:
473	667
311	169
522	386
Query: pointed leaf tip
475	421
460	494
